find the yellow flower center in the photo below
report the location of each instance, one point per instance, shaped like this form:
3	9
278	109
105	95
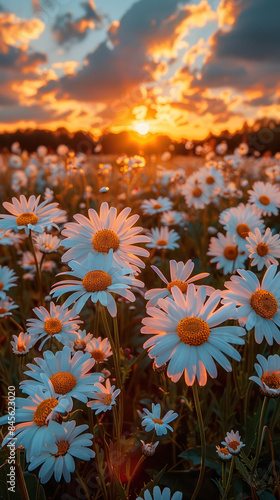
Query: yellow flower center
79	344
161	243
157	420
196	192
104	240
243	230
230	252
193	331
107	400
3	310
262	249
272	380
224	451
27	218
63	382
61	448
21	348
264	304
43	410
96	281
157	206
1	286
234	444
98	355
180	284
264	200
210	179
52	326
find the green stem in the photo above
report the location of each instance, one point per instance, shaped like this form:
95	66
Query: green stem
38	270
229	479
259	442
140	461
202	439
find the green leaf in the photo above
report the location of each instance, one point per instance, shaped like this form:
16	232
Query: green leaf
194	456
154	482
242	469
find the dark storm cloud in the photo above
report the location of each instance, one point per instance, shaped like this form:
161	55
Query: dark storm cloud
246	56
66	29
110	74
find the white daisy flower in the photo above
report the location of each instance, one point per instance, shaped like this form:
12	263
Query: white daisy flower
29	214
223	452
57	459
172	218
163	238
226	253
212	177
99	234
197	194
46	243
239	221
15	161
258	304
6	306
59	323
185	331
263	249
82	338
268	371
151	420
233	442
11	238
99	349
104	397
148	449
22	344
165	494
67	375
161	204
180	277
7	280
34	414
98	277
265	197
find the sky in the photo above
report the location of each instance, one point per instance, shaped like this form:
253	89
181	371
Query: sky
184	68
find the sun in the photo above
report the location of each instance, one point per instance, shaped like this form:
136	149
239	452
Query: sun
142	128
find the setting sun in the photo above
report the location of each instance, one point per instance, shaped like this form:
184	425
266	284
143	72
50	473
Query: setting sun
142	128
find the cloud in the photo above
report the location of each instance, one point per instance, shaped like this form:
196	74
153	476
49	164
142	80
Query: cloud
66	29
16	31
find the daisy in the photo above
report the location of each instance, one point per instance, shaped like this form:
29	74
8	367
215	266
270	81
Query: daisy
7	280
46	243
163	238
100	350
67	375
29	214
151	207
265	197
180	277
172	218
6	306
57	458
226	253
158	495
82	338
99	234
185	331
153	421
258	304
196	194
263	249
239	221
59	323
223	452
98	277
233	442
34	414
212	177
104	397
22	344
149	449
268	371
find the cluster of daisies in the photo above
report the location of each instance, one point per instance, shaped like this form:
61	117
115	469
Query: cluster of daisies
193	329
